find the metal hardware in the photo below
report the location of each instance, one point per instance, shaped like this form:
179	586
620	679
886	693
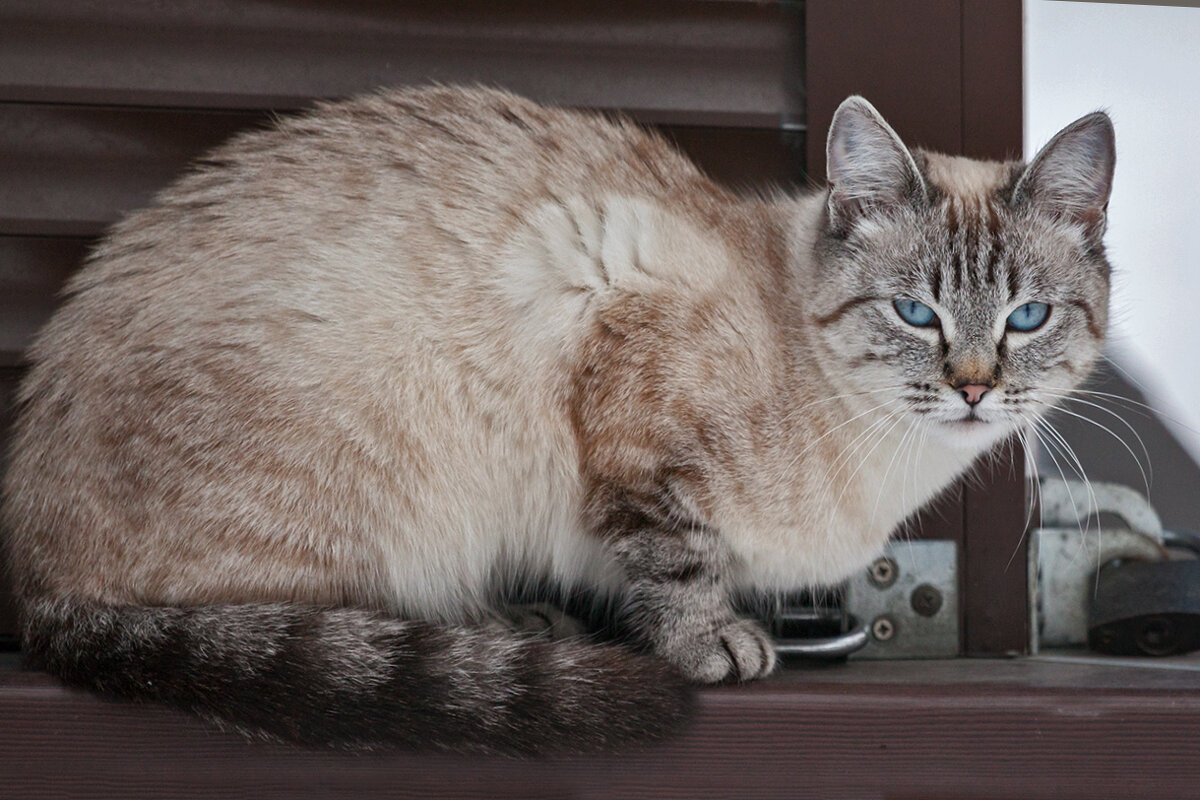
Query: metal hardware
926	600
882	573
825	647
1146	608
1064	554
883	628
914	612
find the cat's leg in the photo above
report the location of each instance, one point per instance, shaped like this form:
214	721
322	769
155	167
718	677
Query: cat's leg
679	605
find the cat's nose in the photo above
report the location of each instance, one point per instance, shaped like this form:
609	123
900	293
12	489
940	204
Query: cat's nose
973	392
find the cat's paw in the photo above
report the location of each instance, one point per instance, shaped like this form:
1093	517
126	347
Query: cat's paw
738	650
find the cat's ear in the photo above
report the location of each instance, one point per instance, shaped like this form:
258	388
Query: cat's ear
1071	177
868	167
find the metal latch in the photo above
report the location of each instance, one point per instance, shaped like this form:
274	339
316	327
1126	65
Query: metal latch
909	600
1065	554
1110	585
905	605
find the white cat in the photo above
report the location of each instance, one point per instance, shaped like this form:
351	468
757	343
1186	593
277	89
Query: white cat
298	426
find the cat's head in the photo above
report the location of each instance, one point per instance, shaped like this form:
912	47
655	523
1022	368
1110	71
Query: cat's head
970	295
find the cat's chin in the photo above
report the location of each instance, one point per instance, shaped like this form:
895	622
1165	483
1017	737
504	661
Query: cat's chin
970	435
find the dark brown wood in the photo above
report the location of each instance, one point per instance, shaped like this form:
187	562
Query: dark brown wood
905	58
962	729
670	61
994	579
32	270
71	171
992	65
947	75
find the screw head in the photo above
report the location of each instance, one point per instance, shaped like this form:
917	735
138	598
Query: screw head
926	600
883	628
883	572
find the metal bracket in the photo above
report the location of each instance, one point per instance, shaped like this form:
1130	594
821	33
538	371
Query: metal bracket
1065	554
908	600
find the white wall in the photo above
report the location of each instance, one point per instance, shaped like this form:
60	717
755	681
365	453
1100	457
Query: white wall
1141	63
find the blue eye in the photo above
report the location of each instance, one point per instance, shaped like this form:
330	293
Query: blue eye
1028	317
914	313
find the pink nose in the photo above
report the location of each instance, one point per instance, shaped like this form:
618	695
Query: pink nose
973	392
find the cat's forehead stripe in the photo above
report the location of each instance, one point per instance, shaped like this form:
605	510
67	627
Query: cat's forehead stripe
973	241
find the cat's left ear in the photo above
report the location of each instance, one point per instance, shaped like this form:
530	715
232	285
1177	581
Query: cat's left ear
1071	177
869	169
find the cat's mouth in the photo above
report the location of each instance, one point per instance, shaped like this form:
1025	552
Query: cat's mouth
969	432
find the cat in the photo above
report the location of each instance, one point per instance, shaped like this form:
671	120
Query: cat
299	424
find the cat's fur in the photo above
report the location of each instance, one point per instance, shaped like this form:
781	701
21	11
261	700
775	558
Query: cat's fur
299	424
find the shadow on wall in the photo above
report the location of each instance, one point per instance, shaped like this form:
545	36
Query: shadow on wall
1172	473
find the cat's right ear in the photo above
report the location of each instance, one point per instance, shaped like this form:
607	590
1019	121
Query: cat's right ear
1071	177
868	168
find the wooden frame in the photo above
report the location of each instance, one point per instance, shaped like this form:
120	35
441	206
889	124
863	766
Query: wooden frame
954	729
959	92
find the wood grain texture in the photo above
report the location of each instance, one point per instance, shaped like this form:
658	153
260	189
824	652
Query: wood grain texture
32	271
673	61
905	58
994	579
966	729
71	171
947	76
992	64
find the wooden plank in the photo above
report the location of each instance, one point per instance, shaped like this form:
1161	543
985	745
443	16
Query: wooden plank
994	581
672	61
961	729
71	171
992	68
903	57
32	270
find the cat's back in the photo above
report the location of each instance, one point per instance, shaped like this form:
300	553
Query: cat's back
393	210
330	334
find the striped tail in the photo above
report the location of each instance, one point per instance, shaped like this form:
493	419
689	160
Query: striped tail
356	679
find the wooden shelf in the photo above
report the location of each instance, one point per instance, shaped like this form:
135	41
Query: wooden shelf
1029	728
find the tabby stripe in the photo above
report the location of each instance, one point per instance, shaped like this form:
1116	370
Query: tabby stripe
842	310
1092	325
1013	284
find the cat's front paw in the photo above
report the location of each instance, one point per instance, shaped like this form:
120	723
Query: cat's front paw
737	649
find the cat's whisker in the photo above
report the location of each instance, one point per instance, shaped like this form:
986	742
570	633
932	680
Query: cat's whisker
888	470
1073	459
1034	494
1062	474
1147	478
850	451
792	412
914	458
899	419
1136	406
785	475
1095	502
1126	374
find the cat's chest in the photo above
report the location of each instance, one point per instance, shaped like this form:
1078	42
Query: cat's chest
835	517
